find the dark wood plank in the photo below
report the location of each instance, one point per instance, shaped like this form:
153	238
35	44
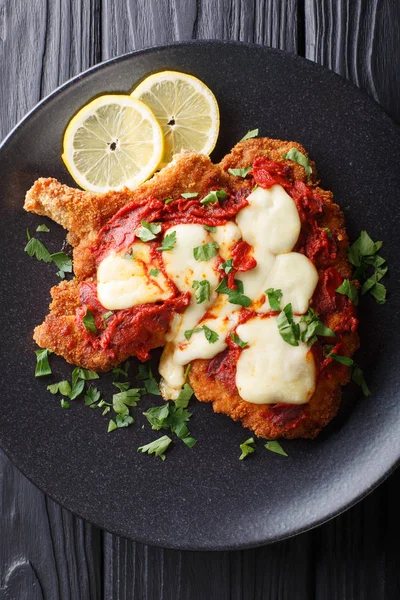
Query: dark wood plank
359	40
45	552
129	25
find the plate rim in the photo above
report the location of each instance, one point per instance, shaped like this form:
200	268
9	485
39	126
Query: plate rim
311	524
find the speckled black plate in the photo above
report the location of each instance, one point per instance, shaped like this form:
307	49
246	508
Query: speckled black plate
204	498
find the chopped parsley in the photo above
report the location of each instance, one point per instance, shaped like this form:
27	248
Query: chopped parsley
35	248
227	266
122	400
206	251
213	197
289	330
92	396
240	172
185	394
190	194
64	403
111	426
328	231
313	328
202	290
358	378
210	335
148	231
121	370
146	375
186	373
274	298
89	321
348	289
168	200
158	447
234	296
168	242
154	272
363	254
42	228
42	362
274	446
252	133
210	228
62	387
238	341
247	448
106	316
299	158
63	262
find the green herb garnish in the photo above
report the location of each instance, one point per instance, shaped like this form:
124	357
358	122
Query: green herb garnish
363	254
274	446
247	448
202	290
227	266
206	251
299	158
168	242
289	330
42	228
328	231
210	228
42	362
62	387
234	296
190	194
210	335
63	262
89	321
148	231
274	298
358	378
158	447
252	133
213	197
240	172
238	341
348	289
313	328
35	248
168	200
154	272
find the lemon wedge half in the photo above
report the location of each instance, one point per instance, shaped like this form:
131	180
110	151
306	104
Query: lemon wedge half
185	108
112	142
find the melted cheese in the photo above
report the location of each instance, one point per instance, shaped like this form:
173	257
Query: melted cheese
295	275
270	370
125	282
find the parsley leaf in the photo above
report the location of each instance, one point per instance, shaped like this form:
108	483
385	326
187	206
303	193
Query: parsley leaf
274	446
234	296
202	290
185	395
123	400
190	194
148	231
157	447
247	448
117	371
314	327
227	266
238	341
123	420
240	172
92	396
156	416
145	373
289	330
358	378
363	255
63	262
348	289
42	362
85	374
61	387
89	322
344	360
206	251
43	228
77	389
186	373
64	403
168	242
106	316
274	298
210	228
250	134
35	248
213	197
328	231
111	426
154	272
168	200
210	335
362	247
299	158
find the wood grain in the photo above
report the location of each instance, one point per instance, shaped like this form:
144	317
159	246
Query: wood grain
359	40
47	553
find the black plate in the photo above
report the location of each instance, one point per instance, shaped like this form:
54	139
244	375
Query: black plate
204	498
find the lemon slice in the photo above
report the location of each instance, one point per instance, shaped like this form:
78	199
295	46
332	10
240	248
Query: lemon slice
185	108
112	142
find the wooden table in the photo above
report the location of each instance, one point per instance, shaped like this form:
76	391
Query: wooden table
45	552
